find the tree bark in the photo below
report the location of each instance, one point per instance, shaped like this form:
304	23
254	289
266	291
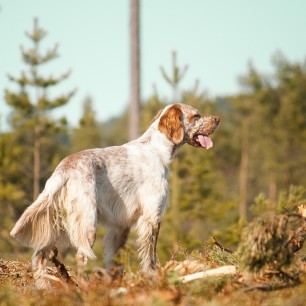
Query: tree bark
244	164
36	166
134	110
272	190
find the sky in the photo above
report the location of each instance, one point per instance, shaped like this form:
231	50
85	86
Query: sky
216	39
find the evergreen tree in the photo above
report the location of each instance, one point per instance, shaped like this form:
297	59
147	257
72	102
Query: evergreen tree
88	134
114	130
173	79
33	103
11	193
177	74
277	128
289	123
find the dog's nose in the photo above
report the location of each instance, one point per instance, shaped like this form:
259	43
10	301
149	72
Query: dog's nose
215	119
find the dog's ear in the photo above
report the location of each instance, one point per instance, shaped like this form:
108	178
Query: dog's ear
170	124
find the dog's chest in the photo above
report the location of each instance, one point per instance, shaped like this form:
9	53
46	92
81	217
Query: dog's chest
126	188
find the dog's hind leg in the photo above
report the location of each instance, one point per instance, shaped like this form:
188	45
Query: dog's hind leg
82	220
39	267
81	257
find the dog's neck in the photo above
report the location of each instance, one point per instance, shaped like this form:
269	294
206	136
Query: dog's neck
158	143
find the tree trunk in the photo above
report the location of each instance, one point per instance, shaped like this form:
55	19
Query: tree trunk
134	109
244	164
272	190
36	166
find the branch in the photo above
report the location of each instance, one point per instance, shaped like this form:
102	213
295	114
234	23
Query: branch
60	266
225	270
214	240
296	215
270	287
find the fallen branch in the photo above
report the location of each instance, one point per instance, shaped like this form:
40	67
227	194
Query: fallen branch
61	269
269	287
217	243
225	270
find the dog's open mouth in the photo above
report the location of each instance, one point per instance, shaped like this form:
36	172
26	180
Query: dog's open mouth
203	141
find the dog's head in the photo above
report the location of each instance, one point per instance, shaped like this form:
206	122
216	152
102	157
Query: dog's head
181	124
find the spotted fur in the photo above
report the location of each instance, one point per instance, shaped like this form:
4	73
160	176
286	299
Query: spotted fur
118	186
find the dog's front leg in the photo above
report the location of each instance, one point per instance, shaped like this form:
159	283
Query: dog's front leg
148	231
114	241
155	241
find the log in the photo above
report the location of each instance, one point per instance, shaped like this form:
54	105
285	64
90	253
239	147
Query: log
224	270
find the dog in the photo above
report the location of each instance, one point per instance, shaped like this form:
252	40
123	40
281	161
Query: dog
117	186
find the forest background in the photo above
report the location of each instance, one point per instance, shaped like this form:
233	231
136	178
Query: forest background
258	155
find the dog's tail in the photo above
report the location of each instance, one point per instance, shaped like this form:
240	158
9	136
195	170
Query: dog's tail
36	227
48	219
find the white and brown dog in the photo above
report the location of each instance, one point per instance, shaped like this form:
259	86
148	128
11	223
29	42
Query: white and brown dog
118	186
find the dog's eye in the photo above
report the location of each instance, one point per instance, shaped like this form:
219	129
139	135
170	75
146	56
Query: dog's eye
196	117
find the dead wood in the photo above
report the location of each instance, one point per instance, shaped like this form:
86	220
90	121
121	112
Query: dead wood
61	269
224	270
218	244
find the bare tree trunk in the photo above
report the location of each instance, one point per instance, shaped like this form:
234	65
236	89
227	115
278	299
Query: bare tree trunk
244	164
36	166
272	190
134	110
36	158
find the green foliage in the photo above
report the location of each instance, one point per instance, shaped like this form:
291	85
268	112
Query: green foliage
287	201
230	230
36	142
12	195
177	74
88	134
264	125
265	243
219	257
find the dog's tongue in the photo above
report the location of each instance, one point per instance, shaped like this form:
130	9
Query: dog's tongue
205	141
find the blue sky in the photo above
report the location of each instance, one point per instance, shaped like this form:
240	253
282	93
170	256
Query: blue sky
215	38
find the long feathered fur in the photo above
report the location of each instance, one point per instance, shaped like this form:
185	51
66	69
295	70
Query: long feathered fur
47	220
118	186
33	228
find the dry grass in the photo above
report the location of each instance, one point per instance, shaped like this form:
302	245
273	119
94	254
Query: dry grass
165	288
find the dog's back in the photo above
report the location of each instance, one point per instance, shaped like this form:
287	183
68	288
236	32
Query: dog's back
119	186
58	216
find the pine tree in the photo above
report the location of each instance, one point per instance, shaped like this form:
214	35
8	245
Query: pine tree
177	74
173	79
289	123
88	134
32	103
